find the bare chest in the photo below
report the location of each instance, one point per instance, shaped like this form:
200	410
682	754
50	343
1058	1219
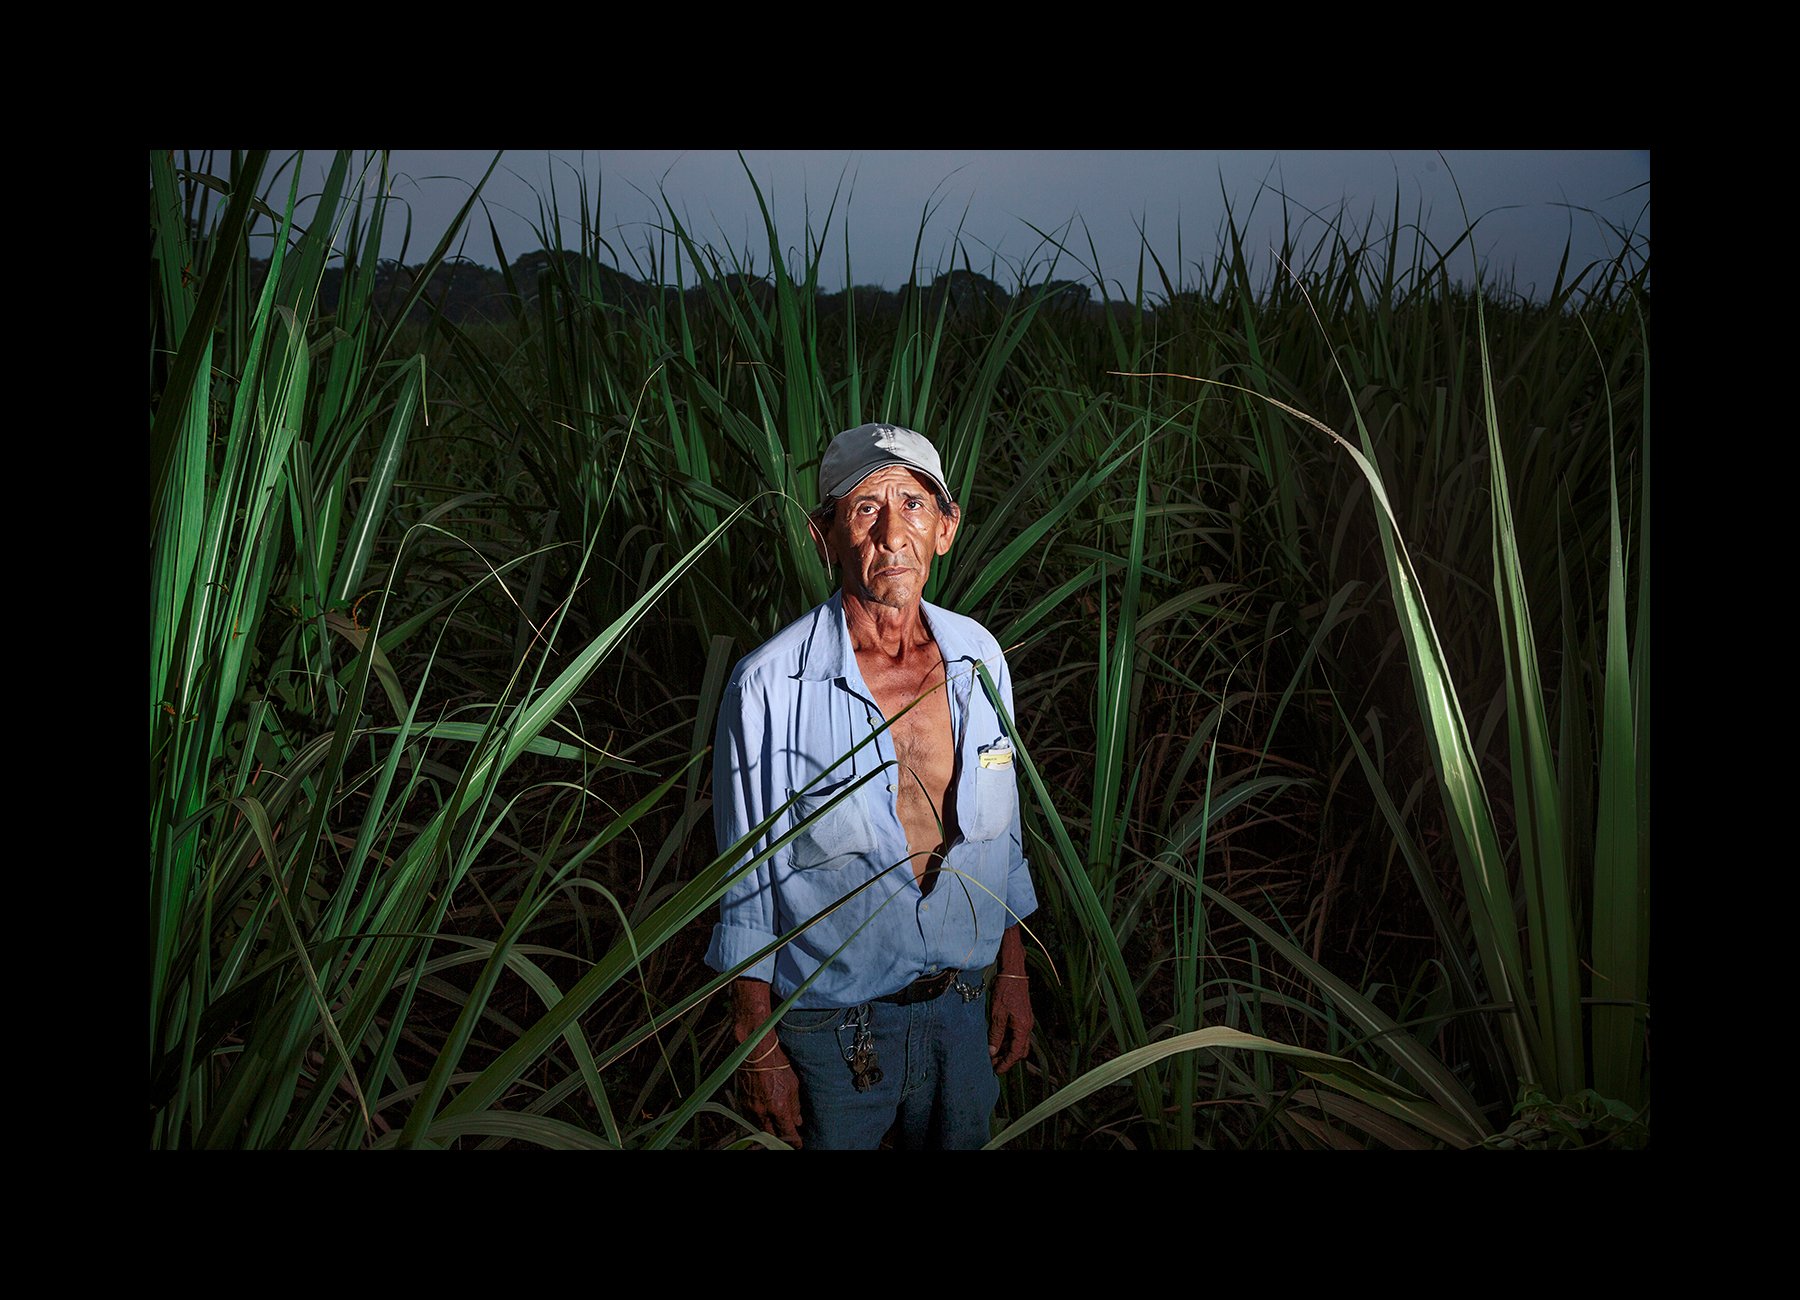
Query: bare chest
924	745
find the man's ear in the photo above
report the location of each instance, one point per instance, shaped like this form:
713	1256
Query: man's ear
820	543
947	525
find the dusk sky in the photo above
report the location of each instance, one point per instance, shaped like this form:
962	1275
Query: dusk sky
1529	203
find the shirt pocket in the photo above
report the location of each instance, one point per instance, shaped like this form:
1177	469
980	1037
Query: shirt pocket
810	1020
836	837
996	799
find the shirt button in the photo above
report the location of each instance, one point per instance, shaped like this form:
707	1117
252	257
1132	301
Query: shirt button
931	970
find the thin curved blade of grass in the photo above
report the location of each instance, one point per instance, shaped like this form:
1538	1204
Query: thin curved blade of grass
1311	1129
341	623
360	543
1193	826
752	1136
1201	598
1371	1119
1177	783
1113	716
1130	1063
392	637
1013	634
540	1130
475	732
1416	1116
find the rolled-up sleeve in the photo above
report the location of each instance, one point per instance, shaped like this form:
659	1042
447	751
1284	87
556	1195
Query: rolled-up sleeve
747	911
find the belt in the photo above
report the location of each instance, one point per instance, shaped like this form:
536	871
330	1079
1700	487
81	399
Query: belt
923	989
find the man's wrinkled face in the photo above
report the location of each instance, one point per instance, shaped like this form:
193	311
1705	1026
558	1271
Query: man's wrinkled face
884	535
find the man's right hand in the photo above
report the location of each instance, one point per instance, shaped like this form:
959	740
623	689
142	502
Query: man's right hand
768	1089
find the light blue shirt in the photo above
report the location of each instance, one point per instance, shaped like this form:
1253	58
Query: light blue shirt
793	711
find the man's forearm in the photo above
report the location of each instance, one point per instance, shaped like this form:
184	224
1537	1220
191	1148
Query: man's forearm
750	1008
1009	1008
767	1089
1011	960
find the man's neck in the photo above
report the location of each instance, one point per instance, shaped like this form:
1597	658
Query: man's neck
885	629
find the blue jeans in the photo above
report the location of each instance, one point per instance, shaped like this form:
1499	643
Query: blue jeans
937	1081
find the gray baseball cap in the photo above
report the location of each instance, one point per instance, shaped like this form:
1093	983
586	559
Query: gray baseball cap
857	453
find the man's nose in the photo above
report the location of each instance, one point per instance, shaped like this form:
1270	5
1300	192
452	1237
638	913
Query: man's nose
888	532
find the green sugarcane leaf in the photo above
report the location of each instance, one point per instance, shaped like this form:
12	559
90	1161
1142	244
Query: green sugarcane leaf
1129	1063
360	544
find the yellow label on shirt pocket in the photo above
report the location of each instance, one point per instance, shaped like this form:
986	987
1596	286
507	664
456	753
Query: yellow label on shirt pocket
998	754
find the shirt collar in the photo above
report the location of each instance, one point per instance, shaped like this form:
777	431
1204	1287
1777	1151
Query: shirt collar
829	655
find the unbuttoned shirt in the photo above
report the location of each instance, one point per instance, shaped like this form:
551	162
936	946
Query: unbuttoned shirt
793	715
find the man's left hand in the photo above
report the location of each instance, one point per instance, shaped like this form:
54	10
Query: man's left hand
1009	1021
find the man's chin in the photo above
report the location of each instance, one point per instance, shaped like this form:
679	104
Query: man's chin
894	593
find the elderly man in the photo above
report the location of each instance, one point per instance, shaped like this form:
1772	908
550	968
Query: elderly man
911	882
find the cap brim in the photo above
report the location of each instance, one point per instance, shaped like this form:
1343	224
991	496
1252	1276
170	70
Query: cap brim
850	479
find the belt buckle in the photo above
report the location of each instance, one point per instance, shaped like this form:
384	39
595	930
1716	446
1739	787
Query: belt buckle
923	989
933	986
